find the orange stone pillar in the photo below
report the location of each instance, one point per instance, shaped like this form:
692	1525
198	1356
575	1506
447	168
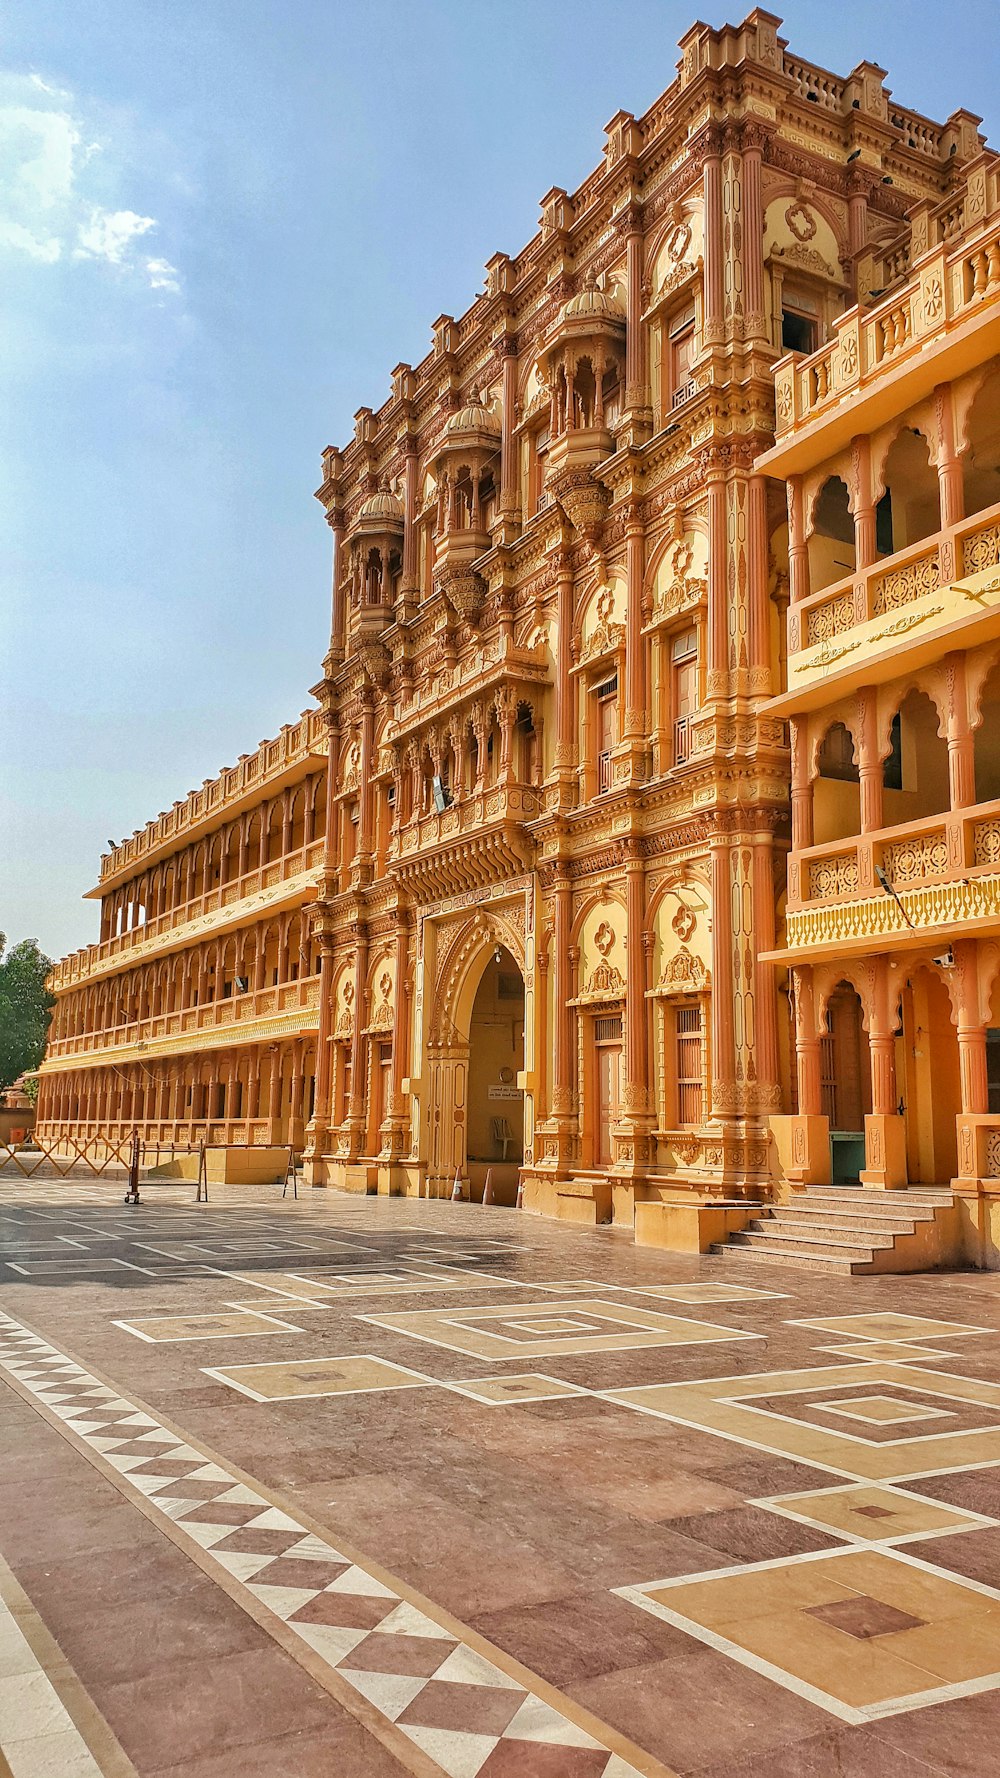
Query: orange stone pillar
885	1132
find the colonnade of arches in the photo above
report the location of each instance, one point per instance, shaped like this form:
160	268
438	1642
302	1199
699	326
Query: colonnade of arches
940	468
285	825
904	752
264	956
259	1093
895	1052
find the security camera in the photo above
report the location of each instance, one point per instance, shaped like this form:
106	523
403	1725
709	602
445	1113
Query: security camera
945	960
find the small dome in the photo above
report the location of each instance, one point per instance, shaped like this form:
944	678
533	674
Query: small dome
603	305
475	416
382	506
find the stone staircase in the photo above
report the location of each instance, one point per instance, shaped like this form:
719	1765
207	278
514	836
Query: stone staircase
848	1231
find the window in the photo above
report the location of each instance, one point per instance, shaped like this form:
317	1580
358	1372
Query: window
799	333
607	731
687	1039
683	689
681	357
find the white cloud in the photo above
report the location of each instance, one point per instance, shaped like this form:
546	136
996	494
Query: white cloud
162	275
47	212
110	235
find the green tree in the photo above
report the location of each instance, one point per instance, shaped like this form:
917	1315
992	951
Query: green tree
25	1007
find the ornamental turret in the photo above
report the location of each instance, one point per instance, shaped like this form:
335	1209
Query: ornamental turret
375	543
467	470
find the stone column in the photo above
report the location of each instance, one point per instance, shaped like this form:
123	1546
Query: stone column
356	1113
870	765
723	1036
802	790
636	369
765	1048
950	481
562	1084
755	318
961	741
971	1030
636	1094
798	548
865	544
718	577
509	479
636	712
319	1126
565	758
885	1130
714	318
338	614
759	586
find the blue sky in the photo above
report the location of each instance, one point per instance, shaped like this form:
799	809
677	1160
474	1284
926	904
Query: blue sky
222	222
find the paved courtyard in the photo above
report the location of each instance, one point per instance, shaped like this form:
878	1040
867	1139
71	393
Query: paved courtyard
365	1488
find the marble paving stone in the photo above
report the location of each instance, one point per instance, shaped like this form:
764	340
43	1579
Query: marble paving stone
239	1324
874	1514
627	1327
863	1633
285	1381
314	1596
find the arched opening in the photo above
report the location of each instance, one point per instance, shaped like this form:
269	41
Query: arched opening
836	788
981	463
910	508
986	741
915	770
927	1077
526	746
495	1126
845	1078
832	553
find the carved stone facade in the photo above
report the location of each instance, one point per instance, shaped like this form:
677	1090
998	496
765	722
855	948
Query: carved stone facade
556	786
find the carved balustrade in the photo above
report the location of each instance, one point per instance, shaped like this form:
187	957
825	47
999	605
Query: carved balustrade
892	584
226	1015
961	845
297	742
221	899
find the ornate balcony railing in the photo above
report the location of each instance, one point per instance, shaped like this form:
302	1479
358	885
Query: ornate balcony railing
959	846
227	1016
469	841
888	586
222	898
944	287
293	746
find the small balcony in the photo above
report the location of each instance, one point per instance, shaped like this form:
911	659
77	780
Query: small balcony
466	845
942	320
945	580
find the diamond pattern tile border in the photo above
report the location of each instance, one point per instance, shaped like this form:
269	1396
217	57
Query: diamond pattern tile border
440	1692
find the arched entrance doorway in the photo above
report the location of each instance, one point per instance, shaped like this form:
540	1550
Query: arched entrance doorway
928	1079
495	1123
473	1115
845	1077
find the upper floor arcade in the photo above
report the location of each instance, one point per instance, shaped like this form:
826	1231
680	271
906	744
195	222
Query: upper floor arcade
251	838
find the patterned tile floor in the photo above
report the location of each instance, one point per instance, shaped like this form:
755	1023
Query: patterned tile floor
482	1496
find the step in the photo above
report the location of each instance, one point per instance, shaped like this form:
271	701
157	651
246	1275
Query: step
889	1202
862	1224
829	1264
863	1207
834	1235
814	1249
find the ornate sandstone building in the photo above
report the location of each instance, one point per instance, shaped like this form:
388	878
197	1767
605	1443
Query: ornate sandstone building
514	899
